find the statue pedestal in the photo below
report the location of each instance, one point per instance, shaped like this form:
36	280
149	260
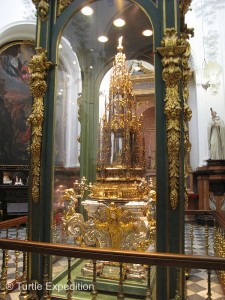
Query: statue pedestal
211	184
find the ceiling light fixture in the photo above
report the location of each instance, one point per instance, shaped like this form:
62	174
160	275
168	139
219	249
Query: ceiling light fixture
103	39
87	11
119	22
147	32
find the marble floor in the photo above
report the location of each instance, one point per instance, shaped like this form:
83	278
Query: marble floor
196	282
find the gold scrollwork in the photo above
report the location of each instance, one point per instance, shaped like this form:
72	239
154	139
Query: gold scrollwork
184	6
37	68
186	77
42	7
171	51
62	4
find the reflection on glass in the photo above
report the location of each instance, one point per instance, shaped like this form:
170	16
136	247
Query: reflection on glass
67	132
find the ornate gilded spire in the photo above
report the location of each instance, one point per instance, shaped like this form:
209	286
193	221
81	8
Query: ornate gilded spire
121	157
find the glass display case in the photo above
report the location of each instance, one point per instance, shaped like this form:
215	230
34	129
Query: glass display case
105	144
111	135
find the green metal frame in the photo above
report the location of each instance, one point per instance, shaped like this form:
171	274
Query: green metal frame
170	225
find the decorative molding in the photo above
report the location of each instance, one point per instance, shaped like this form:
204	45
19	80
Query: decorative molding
207	9
211	44
42	7
30	11
37	68
61	5
186	77
171	51
213	71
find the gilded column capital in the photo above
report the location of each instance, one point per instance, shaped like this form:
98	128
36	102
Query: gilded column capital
61	5
42	7
171	52
38	86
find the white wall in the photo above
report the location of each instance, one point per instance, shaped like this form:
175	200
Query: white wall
17	20
208	19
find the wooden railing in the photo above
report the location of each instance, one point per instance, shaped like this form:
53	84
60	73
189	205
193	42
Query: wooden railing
143	258
13	222
178	261
125	256
4	230
219	242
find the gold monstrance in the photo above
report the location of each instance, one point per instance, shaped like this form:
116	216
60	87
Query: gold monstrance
121	154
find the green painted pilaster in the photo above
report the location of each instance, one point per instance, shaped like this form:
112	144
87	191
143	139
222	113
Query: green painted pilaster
40	212
170	222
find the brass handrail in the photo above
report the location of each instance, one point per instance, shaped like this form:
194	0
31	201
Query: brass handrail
148	258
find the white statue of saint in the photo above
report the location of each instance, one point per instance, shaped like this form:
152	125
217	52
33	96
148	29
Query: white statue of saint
216	137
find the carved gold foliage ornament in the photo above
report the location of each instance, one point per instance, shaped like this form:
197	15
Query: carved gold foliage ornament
42	7
62	4
186	77
171	51
37	68
184	6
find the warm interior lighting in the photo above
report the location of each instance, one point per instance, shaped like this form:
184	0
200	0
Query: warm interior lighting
103	39
87	11
147	32
119	22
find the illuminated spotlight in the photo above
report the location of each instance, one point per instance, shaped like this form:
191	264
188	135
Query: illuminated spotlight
60	46
147	32
119	22
103	39
87	11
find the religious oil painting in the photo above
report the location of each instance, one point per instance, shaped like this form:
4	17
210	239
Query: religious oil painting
15	102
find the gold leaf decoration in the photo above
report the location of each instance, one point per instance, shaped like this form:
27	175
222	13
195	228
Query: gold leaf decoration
171	51
62	4
186	77
37	68
184	6
42	7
